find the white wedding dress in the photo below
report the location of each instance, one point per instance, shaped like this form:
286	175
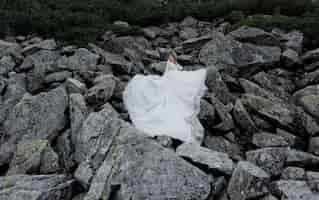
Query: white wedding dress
168	104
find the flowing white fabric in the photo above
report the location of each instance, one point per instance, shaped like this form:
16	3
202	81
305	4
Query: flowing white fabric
168	104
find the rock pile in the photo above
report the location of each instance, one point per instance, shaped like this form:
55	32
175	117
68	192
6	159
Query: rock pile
65	133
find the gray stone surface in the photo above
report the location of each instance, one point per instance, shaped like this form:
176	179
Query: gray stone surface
293	173
7	65
248	181
216	161
301	159
314	145
243	119
271	160
290	58
225	52
265	139
38	187
220	144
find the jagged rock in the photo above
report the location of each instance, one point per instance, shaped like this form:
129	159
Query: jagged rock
307	123
276	112
269	197
254	35
3	85
279	86
248	181
82	58
219	185
290	58
262	123
57	77
188	33
189	22
217	86
149	33
7	64
222	111
165	141
301	159
79	197
293	173
220	144
252	88
49	44
224	52
310	56
78	113
64	149
121	65
14	91
314	145
132	171
310	78
312	175
75	86
102	91
35	117
84	174
271	160
312	66
216	161
195	43
32	156
8	48
243	119
93	129
206	114
292	140
294	40
265	139
49	187
293	190
308	98
40	63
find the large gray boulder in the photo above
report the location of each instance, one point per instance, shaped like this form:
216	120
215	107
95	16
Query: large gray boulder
37	187
9	48
215	161
264	139
243	119
7	64
248	181
271	160
35	117
254	35
308	98
293	190
49	44
301	159
225	52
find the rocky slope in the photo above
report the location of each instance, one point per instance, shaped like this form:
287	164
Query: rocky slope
65	133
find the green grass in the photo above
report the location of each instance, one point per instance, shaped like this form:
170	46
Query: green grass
82	21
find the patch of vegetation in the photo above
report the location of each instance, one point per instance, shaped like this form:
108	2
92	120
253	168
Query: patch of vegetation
82	21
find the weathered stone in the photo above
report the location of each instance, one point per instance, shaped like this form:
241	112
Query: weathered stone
121	24
311	78
8	48
206	114
243	119
220	144
137	168
3	85
49	44
293	190
293	173
165	141
32	156
271	160
308	125
314	145
57	77
265	139
64	149
269	197
310	56
294	40
312	66
189	22
188	33
225	52
252	88
310	103
216	161
84	174
217	86
276	112
195	43
226	120
6	65
102	91
301	159
36	117
254	35
292	140
49	187
78	113
248	181
75	86
149	32
290	58
82	59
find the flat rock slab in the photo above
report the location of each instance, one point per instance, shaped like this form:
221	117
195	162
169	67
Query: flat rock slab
215	161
